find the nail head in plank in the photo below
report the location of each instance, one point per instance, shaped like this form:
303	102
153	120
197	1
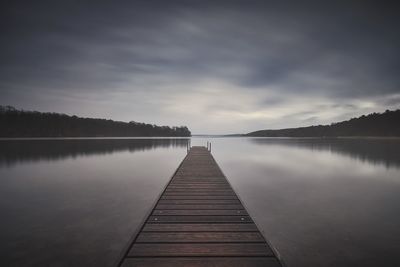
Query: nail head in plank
197	218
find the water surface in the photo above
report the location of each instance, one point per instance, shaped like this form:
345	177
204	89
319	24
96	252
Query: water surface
319	202
77	202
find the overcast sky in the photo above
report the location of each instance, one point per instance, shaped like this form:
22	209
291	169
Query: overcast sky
215	66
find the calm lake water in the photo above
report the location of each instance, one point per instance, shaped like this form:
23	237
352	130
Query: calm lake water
319	202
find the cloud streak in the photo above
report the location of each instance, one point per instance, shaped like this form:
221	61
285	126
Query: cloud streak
231	66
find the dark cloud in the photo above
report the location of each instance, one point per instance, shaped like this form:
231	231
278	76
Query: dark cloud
272	55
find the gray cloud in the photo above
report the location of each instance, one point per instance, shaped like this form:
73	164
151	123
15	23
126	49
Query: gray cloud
217	66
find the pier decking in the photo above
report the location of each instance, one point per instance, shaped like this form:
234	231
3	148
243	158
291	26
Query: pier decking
199	221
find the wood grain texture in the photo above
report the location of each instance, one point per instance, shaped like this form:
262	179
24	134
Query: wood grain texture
199	221
198	201
199	207
207	249
202	262
199	212
198	197
200	237
196	227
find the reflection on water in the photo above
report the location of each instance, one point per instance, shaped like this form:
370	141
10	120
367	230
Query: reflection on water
375	151
15	151
77	202
320	202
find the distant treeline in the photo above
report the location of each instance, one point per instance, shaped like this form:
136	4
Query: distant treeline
20	123
375	124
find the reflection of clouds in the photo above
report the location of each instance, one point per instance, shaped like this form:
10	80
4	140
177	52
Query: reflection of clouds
18	151
375	151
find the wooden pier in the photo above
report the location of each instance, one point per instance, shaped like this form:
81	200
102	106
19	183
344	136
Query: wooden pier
199	221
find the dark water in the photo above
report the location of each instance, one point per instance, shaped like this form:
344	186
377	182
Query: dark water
77	202
319	202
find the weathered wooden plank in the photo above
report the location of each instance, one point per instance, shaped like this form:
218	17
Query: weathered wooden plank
197	197
207	249
199	180
199	207
199	218
200	237
204	184
195	177
199	183
199	221
190	192
191	187
199	175
195	189
222	183
200	193
198	201
199	212
197	227
202	262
